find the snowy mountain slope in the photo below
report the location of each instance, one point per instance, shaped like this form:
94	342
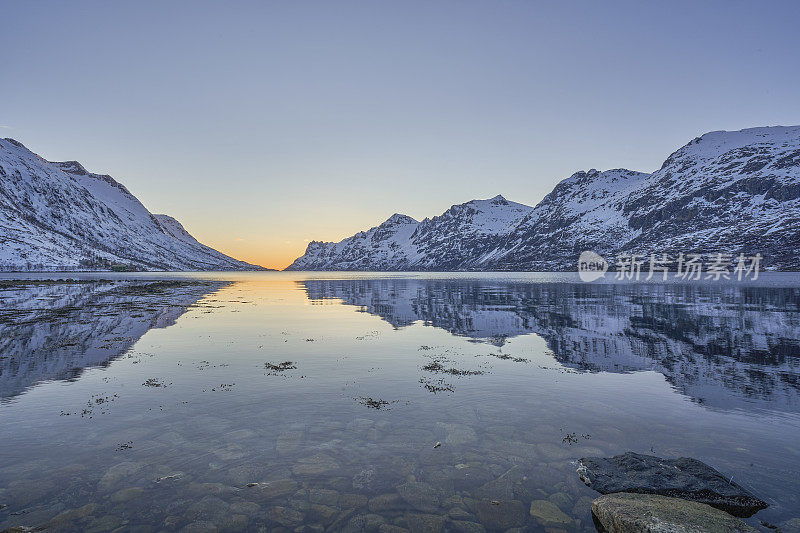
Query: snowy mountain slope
384	247
583	212
449	241
56	216
724	192
175	228
462	235
734	190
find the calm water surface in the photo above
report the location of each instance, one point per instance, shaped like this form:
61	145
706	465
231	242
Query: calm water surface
312	402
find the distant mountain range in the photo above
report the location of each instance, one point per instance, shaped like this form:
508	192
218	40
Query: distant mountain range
725	192
58	216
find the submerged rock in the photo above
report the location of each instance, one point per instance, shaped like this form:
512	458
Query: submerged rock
72	514
210	509
420	495
317	465
323	496
636	513
323	514
288	442
276	489
117	473
469	476
548	514
245	508
200	527
501	489
364	523
684	478
352	501
501	515
425	523
386	502
126	495
389	528
461	526
457	434
285	516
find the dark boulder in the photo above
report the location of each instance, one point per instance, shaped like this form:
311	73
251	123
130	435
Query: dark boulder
684	478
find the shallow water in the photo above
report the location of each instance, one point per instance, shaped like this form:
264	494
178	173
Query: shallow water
149	405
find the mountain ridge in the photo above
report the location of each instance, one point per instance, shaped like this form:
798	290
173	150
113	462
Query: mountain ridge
59	216
725	192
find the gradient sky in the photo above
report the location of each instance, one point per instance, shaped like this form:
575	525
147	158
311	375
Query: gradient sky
263	125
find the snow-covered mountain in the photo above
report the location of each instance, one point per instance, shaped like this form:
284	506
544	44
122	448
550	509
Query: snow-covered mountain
380	248
464	234
725	192
450	241
58	216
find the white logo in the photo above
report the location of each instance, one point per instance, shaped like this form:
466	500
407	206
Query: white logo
591	266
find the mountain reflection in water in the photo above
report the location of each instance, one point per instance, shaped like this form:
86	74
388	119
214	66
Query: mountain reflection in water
723	346
52	330
269	392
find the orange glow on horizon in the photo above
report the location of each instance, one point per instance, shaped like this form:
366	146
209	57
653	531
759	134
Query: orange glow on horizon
281	242
265	256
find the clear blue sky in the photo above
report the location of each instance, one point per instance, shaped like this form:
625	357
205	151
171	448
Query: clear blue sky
261	125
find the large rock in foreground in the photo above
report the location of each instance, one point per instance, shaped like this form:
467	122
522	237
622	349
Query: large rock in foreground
684	478
648	513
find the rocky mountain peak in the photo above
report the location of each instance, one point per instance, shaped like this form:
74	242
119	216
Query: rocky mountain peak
398	218
72	167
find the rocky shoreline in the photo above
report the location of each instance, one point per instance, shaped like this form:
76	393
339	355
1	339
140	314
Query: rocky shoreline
644	493
634	500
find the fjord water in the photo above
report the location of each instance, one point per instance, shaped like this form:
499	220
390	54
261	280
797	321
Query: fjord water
437	401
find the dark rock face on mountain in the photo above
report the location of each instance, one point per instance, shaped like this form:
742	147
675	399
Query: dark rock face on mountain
58	216
725	192
684	478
